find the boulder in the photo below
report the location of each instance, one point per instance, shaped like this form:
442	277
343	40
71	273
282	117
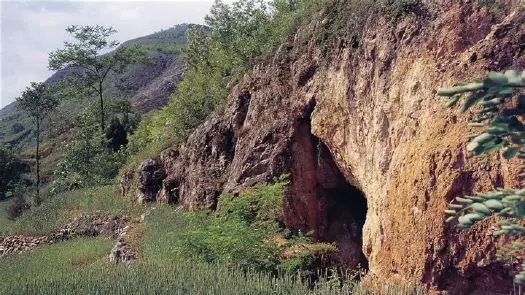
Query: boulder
151	173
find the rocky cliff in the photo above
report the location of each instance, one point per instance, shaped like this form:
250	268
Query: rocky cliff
373	156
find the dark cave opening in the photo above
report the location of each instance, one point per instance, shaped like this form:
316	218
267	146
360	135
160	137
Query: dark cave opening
343	210
346	209
322	200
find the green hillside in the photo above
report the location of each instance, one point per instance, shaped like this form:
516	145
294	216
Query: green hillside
144	85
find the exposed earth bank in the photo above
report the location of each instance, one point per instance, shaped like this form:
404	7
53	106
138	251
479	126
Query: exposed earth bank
373	156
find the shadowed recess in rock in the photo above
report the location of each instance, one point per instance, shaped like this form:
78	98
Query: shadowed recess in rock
321	200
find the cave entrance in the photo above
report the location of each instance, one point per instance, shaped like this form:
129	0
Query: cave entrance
345	215
342	208
324	201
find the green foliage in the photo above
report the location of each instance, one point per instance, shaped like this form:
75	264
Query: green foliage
37	101
116	135
308	259
216	57
240	233
87	161
12	170
93	158
160	245
5	219
501	128
18	207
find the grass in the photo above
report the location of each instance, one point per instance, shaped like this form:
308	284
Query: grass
4	216
157	234
81	267
49	264
57	211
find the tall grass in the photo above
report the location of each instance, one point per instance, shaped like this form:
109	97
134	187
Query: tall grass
80	267
4	216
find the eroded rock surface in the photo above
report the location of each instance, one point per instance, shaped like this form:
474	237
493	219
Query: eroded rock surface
373	156
151	173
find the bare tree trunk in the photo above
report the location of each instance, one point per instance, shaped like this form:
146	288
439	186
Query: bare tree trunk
38	199
102	125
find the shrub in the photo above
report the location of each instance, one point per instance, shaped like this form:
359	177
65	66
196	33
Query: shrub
240	233
94	158
18	207
12	173
86	162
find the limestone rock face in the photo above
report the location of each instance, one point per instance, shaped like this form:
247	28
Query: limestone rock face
373	156
151	173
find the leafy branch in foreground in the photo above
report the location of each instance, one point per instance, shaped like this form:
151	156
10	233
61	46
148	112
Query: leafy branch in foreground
501	128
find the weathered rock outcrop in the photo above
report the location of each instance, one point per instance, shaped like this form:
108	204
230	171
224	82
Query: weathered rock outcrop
374	157
151	174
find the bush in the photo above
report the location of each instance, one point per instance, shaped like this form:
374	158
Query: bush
94	158
18	207
86	162
12	173
240	234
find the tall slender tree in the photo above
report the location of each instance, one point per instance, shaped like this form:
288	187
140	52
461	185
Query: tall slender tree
89	61
38	102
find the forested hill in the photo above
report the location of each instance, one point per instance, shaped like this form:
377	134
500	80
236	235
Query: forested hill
146	86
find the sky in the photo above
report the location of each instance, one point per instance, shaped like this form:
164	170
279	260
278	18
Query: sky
29	30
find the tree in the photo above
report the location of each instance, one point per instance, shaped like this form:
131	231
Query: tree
38	102
12	170
89	67
501	128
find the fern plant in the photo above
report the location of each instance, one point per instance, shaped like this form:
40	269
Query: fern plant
498	122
